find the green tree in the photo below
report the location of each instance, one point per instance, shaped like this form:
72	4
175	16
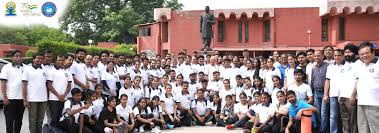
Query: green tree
12	36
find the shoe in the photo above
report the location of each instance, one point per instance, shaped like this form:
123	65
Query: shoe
170	126
141	129
229	127
155	130
209	123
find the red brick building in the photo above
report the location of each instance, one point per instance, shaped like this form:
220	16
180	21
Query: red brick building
334	22
6	49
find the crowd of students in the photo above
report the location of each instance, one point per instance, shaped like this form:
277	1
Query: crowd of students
116	93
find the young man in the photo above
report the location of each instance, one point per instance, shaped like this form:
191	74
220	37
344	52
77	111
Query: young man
317	84
90	72
347	110
303	91
201	109
301	58
59	83
295	111
11	87
367	89
310	58
34	91
183	102
216	84
78	71
333	84
72	111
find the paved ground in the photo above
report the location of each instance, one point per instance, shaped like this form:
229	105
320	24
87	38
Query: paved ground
197	129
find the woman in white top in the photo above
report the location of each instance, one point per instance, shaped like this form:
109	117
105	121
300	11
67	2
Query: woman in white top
216	107
271	71
153	89
240	110
110	80
138	92
99	102
125	113
157	110
128	90
89	114
168	104
227	90
289	78
248	89
281	111
277	87
258	85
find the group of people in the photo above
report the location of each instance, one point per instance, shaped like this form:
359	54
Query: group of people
116	93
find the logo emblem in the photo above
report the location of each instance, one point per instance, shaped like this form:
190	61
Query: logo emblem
49	9
28	9
10	9
66	74
371	70
342	70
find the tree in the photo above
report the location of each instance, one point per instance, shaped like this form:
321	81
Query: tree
12	36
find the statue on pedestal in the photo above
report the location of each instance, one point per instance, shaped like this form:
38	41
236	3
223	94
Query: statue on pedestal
206	29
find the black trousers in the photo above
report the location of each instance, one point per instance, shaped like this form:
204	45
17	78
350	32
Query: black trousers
55	110
197	121
228	121
14	112
140	123
185	118
168	121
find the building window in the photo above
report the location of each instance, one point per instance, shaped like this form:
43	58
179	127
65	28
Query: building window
146	31
324	29
221	31
267	31
246	31
164	32
342	28
240	31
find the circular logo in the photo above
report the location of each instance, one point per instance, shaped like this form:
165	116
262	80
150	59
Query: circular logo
10	9
49	9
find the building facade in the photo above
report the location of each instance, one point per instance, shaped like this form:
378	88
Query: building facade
260	30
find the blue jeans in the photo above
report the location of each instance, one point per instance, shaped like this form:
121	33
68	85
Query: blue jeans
335	118
322	111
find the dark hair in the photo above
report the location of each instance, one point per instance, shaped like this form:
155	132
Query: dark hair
104	52
261	80
310	50
328	47
266	94
110	99
81	50
239	76
216	72
352	48
151	105
15	51
301	53
98	85
204	81
123	95
228	96
291	92
75	91
200	56
38	54
192	74
200	73
70	55
280	92
296	71
257	93
139	101
185	82
47	51
90	93
366	44
180	75
200	90
339	50
243	94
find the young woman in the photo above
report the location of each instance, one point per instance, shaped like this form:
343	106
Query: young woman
169	108
100	101
248	89
216	107
240	110
264	114
128	91
271	71
227	90
157	112
289	78
277	87
89	114
252	110
281	113
144	116
137	90
258	85
108	117
125	114
227	115
110	80
153	89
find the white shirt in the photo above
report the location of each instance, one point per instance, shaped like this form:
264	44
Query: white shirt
334	73
201	106
224	93
309	71
368	83
265	112
239	90
60	79
36	88
130	93
240	108
138	93
78	71
210	69
124	112
268	77
91	73
111	79
150	92
157	111
302	91
274	97
349	79
137	112
184	100
185	70
215	85
12	75
290	76
67	105
169	103
98	105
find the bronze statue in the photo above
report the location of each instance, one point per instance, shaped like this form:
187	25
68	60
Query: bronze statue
206	23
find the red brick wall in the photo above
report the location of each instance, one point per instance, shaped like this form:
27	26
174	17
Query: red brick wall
4	48
362	27
107	44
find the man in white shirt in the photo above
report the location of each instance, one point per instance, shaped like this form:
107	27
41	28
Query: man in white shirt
202	66
332	89
78	72
308	70
367	89
185	69
11	87
59	84
183	102
201	108
212	67
90	72
121	69
104	60
34	91
303	91
215	85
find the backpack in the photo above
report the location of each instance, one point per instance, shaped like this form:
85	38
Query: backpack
206	102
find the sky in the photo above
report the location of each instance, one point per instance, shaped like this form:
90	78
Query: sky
22	19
